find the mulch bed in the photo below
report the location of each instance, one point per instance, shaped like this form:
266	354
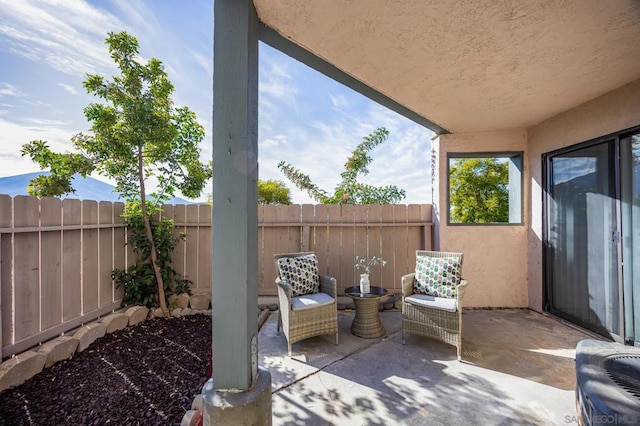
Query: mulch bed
146	374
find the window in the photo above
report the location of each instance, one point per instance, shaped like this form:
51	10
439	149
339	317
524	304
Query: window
484	188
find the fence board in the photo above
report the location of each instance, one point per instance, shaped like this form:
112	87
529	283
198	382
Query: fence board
105	253
361	246
90	262
192	244
27	268
321	235
293	236
334	244
347	252
119	246
71	260
390	273
379	274
307	216
6	280
204	248
179	253
268	243
51	260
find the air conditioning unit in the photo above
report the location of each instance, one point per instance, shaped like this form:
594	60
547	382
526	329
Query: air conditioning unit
608	383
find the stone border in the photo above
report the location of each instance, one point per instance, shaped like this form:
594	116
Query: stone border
20	368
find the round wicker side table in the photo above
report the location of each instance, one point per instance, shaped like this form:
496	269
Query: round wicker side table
367	322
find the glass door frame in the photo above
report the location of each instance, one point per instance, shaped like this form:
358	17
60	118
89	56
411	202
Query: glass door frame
615	139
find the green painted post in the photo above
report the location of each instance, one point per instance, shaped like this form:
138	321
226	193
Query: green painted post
235	212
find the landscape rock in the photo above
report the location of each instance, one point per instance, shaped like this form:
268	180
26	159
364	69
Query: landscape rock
187	311
114	322
398	303
179	300
20	368
177	312
137	314
262	317
158	313
88	334
200	301
58	349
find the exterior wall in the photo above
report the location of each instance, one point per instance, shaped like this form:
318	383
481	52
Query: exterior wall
495	260
613	112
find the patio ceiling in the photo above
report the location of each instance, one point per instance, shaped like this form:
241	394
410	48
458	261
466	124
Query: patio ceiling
471	66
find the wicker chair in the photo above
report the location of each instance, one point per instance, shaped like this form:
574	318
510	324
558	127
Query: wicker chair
301	317
435	317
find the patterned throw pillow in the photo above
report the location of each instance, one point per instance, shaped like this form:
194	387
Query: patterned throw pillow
437	276
301	273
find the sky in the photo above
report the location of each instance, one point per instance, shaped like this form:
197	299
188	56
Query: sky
305	118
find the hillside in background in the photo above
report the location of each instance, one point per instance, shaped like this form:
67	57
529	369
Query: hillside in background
86	188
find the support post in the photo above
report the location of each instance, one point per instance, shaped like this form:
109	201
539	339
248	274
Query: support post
238	392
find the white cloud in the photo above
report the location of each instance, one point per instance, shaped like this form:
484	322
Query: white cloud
69	88
276	82
10	90
66	35
13	135
204	61
37	103
339	102
273	142
138	14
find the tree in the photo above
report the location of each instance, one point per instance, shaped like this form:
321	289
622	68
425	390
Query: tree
137	133
269	192
479	190
349	190
273	192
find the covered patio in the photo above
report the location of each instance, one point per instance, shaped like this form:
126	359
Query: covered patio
518	368
535	84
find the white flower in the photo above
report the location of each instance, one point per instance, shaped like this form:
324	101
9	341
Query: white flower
362	262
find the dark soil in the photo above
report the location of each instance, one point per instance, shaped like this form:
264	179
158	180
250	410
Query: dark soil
145	374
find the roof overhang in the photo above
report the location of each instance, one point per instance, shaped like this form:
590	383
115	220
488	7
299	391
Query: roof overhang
464	66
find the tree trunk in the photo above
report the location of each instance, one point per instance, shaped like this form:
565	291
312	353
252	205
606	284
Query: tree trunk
147	227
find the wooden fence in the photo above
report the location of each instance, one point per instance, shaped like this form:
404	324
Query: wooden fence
56	256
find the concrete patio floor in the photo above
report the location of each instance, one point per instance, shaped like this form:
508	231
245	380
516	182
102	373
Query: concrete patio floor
518	368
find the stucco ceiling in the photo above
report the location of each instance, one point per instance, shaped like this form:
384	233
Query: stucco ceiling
472	65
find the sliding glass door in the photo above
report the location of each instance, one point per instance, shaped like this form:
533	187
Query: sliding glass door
592	235
630	214
582	244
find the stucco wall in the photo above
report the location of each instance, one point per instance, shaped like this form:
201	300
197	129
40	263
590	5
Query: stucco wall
495	261
613	112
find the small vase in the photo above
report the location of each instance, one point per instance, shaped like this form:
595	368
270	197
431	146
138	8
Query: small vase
364	283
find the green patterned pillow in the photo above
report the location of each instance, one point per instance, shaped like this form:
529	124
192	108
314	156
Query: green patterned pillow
437	276
301	273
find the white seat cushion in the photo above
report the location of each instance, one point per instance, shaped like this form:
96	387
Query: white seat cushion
310	301
449	305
